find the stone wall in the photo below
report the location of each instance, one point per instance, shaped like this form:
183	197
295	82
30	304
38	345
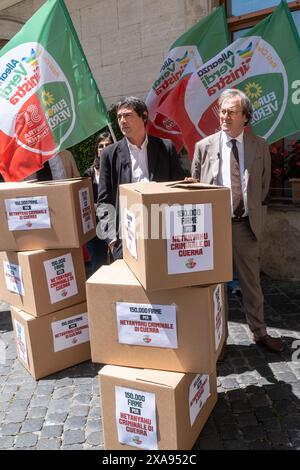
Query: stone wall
280	248
124	40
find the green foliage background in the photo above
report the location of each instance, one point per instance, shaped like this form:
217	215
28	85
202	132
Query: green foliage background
84	152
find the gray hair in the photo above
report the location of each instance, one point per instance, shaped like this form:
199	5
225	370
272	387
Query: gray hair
246	103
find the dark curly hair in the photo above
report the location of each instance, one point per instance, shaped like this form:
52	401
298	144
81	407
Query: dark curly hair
100	138
136	104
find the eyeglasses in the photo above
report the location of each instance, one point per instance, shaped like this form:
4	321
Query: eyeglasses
230	112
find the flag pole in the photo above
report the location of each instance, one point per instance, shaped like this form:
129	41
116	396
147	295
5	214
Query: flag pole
112	132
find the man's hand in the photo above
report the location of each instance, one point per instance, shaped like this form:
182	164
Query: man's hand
189	179
111	246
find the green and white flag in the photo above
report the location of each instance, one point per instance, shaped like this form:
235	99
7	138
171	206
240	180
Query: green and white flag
273	81
49	100
187	54
264	63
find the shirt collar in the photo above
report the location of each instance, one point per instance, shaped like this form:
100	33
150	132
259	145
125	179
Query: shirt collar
227	137
135	147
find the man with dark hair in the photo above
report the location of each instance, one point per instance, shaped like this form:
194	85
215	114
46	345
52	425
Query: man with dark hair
137	157
241	160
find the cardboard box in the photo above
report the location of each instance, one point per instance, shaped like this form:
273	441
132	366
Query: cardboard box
176	234
177	329
43	281
54	342
150	409
48	215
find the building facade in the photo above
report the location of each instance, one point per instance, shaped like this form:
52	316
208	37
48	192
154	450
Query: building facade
124	40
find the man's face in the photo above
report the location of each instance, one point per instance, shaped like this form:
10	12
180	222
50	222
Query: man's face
232	118
130	123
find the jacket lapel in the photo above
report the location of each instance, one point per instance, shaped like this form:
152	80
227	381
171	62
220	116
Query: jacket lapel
250	146
214	156
125	171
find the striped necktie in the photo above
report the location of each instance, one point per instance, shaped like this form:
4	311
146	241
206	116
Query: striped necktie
236	185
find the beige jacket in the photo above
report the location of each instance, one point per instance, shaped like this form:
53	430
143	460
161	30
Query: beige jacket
69	164
205	167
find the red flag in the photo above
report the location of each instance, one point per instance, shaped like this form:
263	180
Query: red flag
49	100
175	108
27	149
187	53
165	128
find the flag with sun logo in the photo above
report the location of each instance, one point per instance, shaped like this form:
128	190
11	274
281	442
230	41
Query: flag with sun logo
263	64
187	53
49	100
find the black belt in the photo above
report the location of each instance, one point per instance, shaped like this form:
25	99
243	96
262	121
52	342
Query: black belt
240	219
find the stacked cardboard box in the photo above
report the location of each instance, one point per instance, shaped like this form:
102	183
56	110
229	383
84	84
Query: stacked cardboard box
53	342
162	314
42	276
178	330
153	409
48	215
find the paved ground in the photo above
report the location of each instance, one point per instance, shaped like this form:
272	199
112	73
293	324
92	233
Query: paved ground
259	392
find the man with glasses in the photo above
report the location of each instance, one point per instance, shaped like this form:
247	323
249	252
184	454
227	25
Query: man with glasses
137	157
241	161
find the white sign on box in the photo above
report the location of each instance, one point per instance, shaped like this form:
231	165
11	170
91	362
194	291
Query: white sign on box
130	235
13	278
28	214
217	296
136	418
147	324
199	392
21	341
61	278
189	238
70	332
86	210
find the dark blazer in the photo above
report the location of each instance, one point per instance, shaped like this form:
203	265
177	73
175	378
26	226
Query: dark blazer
115	169
91	173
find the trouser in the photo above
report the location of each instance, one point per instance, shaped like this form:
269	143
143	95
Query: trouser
246	262
99	252
118	250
